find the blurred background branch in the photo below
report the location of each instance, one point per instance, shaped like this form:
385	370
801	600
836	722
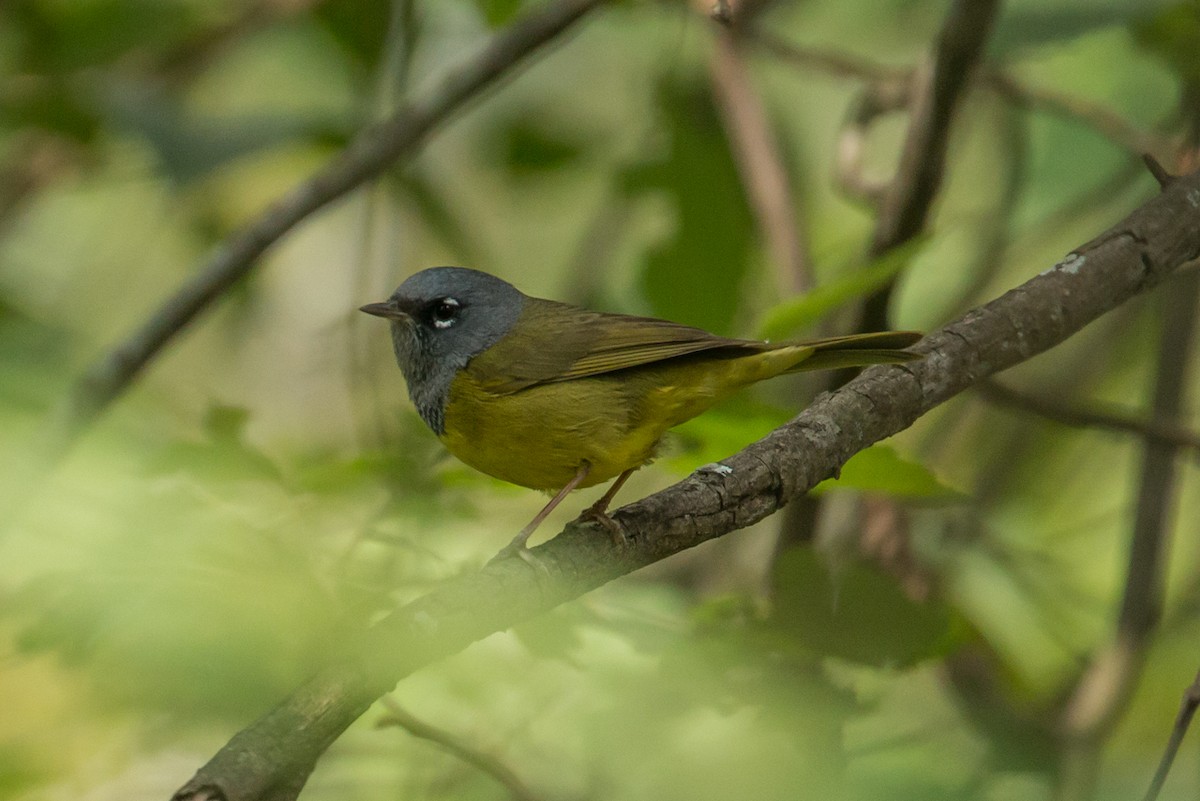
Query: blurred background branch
398	716
376	149
913	630
893	82
1123	420
778	212
1187	710
938	87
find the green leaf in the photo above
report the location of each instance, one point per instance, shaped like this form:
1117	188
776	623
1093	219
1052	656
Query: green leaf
797	314
66	37
361	27
696	275
1035	23
880	469
31	358
498	12
1174	36
529	147
222	457
858	613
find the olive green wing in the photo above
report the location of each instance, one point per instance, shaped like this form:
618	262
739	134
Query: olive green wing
557	342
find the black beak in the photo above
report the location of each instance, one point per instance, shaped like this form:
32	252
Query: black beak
387	309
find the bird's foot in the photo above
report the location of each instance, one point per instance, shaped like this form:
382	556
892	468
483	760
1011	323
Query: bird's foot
518	549
599	514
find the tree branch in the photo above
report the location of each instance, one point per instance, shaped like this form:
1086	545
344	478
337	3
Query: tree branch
1090	416
399	716
1104	121
759	160
938	87
375	149
271	758
1187	709
876	100
828	60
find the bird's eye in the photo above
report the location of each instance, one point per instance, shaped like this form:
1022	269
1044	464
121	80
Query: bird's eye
444	312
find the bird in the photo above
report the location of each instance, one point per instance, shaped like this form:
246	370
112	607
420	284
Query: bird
556	397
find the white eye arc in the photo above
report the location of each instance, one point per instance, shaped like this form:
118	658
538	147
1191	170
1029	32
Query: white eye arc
444	312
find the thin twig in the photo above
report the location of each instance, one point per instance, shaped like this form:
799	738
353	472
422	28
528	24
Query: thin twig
373	151
399	716
1099	118
938	87
935	90
379	241
1157	170
932	94
1102	120
1187	709
838	63
760	163
876	100
1191	696
1089	416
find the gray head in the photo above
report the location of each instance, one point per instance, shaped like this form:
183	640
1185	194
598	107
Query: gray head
441	318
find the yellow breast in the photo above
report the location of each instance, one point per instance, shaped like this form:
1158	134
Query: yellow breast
538	437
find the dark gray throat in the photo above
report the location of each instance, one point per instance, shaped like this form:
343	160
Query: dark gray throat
428	378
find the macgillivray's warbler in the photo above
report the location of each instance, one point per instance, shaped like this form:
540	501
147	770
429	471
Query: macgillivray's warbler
556	397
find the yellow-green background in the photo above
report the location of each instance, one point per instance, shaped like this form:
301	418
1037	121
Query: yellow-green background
266	484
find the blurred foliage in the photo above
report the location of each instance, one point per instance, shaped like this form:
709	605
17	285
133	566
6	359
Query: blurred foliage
798	315
1029	24
881	469
701	266
859	614
1174	35
499	12
266	489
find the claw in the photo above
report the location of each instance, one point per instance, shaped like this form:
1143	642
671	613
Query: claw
517	548
594	514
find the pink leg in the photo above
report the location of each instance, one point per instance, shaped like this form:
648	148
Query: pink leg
600	507
599	510
517	546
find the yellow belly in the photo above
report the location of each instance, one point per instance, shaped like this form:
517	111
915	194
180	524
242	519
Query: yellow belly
540	436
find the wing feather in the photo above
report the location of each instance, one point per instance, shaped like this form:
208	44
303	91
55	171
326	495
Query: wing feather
559	342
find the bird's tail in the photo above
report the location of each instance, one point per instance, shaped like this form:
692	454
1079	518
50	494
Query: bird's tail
857	350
